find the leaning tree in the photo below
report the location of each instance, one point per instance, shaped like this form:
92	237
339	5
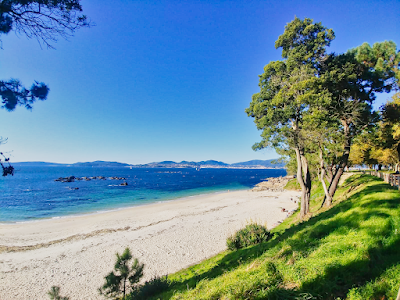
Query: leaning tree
289	95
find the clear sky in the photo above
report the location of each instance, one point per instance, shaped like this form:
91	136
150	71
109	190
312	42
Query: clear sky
165	80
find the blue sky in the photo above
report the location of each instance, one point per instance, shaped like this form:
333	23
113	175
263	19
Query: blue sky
165	80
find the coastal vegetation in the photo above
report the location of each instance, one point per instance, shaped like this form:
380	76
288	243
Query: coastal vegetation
313	104
54	294
251	234
348	251
123	278
380	144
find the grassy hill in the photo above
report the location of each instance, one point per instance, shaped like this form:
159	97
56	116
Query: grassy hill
351	251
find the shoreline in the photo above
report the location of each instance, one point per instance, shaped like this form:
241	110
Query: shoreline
140	204
76	253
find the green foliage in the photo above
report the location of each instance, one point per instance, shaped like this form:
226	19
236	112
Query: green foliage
13	94
304	41
292	185
351	251
315	103
252	234
288	88
116	283
154	286
290	98
54	294
380	144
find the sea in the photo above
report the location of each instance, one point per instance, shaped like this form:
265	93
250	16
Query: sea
32	194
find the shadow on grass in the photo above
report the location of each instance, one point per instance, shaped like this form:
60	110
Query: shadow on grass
338	280
227	263
306	237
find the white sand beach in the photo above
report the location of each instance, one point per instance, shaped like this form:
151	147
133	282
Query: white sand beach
76	253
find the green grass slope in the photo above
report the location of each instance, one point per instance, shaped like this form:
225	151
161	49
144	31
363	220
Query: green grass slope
351	251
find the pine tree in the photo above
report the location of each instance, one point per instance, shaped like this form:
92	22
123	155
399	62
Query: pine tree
116	282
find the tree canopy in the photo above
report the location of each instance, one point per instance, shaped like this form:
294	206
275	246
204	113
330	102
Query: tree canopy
290	95
44	20
312	102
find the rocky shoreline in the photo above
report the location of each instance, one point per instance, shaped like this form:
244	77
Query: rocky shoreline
273	184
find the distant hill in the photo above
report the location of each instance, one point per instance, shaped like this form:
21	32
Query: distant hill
213	164
184	164
35	164
93	164
270	163
163	164
100	163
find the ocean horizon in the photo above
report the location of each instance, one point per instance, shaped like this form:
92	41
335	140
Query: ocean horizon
32	194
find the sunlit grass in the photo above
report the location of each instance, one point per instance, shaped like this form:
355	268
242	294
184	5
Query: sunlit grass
351	251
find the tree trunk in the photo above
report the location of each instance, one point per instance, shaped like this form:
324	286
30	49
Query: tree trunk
343	162
124	288
305	182
307	179
328	199
398	295
329	172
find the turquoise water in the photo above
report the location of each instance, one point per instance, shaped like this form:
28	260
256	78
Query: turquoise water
32	194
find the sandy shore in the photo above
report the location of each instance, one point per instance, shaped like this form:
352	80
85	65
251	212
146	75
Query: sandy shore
76	253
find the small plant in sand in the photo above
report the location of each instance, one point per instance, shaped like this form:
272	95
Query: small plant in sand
117	282
252	234
54	294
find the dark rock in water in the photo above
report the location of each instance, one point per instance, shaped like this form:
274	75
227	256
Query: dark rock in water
66	179
73	178
70	179
124	183
117	178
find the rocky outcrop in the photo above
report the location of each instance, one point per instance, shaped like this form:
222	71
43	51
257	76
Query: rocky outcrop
273	184
66	179
73	178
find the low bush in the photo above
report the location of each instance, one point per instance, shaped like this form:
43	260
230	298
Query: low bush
154	286
252	234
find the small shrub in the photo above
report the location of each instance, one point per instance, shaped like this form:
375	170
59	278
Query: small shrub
154	286
252	234
116	284
54	294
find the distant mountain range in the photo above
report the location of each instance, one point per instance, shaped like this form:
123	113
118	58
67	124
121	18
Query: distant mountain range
98	163
163	164
214	164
